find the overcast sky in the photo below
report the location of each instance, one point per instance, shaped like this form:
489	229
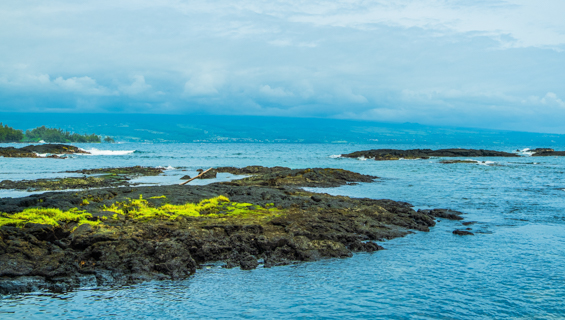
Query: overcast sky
492	64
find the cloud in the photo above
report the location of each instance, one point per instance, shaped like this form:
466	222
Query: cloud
275	92
81	85
203	84
497	64
549	100
552	99
138	86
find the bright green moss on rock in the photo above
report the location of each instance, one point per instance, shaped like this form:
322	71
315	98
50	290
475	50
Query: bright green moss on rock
47	216
218	207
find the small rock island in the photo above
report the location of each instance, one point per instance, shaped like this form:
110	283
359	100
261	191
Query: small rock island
395	154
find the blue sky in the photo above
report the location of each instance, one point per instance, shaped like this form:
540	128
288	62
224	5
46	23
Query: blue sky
491	64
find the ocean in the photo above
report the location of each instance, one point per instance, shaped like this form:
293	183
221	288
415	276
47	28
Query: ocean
513	267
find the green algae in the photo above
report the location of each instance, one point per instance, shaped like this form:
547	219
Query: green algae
47	216
218	207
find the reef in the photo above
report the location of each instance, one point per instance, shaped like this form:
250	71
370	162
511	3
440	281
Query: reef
282	176
103	178
547	152
115	236
458	161
32	151
128	171
394	154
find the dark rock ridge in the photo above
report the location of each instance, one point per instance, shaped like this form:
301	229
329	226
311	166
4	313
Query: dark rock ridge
394	154
546	152
282	176
302	226
106	177
129	171
32	150
458	161
261	176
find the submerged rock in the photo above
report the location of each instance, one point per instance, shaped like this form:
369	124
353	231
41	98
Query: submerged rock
395	154
463	233
127	171
106	177
443	213
458	161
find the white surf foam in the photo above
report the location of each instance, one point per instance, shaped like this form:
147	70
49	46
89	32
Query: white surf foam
166	168
526	152
362	158
335	156
96	152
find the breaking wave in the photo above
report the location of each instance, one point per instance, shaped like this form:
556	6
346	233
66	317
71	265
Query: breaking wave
96	152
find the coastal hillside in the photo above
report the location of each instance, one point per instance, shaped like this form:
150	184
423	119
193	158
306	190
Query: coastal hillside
254	129
9	134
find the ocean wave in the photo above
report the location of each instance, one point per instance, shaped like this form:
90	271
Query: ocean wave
525	152
362	158
96	152
166	168
335	156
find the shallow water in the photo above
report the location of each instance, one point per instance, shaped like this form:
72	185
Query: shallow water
514	266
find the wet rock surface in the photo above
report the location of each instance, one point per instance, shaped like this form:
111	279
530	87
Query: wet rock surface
458	161
282	176
394	154
129	171
303	226
208	175
31	151
547	152
106	177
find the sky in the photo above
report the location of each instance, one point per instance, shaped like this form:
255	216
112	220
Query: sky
488	64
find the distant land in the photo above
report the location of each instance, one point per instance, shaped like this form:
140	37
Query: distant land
256	129
44	134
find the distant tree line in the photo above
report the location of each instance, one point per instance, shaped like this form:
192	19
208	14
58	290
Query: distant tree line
8	134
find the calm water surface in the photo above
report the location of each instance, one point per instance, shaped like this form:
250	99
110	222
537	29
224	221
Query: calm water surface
514	266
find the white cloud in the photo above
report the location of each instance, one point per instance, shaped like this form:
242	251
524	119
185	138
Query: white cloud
550	99
203	84
82	85
138	86
275	92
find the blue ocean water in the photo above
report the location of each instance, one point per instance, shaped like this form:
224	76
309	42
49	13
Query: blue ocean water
513	267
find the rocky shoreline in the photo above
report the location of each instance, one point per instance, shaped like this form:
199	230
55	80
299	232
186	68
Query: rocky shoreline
124	235
98	178
395	154
32	151
547	152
